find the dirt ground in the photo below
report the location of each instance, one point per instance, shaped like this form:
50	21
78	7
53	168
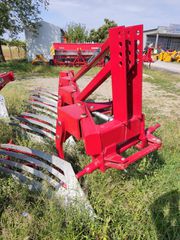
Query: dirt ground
161	101
168	66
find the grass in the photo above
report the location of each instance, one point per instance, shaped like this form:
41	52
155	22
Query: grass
142	204
24	69
163	79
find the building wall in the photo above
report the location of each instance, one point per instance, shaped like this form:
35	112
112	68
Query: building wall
41	42
165	42
168	37
146	41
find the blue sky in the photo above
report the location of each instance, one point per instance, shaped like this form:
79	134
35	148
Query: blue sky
151	13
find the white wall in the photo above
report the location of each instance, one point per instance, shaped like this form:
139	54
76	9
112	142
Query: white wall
41	42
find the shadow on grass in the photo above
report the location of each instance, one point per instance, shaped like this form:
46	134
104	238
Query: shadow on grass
166	216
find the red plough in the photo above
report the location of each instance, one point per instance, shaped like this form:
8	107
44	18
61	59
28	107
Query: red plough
108	129
123	124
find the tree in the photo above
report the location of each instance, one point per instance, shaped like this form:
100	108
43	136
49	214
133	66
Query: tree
76	32
101	33
16	15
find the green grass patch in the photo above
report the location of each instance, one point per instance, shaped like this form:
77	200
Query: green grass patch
23	69
140	204
163	79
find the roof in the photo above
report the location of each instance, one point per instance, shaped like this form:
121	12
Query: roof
171	30
150	30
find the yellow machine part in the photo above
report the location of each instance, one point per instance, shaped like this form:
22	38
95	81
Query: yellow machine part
52	51
39	59
177	58
167	57
161	56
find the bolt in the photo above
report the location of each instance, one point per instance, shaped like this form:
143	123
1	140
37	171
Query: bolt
59	122
58	137
122	159
79	104
91	107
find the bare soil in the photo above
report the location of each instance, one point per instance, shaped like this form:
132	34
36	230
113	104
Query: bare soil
173	67
161	101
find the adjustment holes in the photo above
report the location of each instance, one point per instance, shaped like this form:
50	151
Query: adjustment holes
120	64
138	42
137	51
137	32
120	54
120	44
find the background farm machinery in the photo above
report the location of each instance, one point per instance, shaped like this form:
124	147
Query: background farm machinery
107	129
147	56
150	56
73	54
169	56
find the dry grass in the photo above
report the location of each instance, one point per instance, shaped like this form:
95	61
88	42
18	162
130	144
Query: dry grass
13	53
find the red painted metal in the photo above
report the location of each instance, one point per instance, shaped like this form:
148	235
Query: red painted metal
124	126
147	56
6	78
73	54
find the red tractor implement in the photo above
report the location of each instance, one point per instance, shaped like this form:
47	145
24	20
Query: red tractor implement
122	123
73	54
147	56
5	78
